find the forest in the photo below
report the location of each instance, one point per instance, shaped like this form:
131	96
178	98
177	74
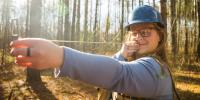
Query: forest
94	26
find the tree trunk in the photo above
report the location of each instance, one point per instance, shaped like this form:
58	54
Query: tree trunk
186	33
127	9
85	34
195	42
33	75
67	23
73	34
198	47
154	4
164	12
122	22
78	25
95	25
179	33
107	22
60	23
173	30
91	16
140	2
132	3
78	21
194	30
27	17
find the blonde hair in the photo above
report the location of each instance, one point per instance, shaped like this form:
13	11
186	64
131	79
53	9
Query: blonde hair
161	48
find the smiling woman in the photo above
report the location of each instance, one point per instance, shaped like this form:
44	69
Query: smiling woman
138	70
147	76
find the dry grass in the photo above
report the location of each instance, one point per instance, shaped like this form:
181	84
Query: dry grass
188	83
13	86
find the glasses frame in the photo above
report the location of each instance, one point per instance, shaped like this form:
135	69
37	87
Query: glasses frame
144	32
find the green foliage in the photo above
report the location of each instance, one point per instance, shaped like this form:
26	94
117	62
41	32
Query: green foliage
8	58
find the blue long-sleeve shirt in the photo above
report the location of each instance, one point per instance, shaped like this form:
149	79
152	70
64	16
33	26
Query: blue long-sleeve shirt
138	78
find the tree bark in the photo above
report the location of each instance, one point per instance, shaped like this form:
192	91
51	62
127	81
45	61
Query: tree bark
78	21
95	25
122	22
140	2
164	12
132	3
73	34
85	34
27	18
173	29
179	34
67	23
186	33
60	23
33	75
107	22
198	47
154	4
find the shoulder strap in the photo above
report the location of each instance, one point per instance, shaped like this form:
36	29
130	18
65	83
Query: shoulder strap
173	84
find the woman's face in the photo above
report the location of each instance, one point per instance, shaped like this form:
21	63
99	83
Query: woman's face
146	36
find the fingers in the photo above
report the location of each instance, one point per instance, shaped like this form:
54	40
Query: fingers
131	46
23	61
20	52
28	64
25	42
19	43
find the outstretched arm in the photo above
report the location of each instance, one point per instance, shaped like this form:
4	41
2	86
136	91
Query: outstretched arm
136	78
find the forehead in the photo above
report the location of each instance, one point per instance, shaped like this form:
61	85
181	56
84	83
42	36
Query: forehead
141	26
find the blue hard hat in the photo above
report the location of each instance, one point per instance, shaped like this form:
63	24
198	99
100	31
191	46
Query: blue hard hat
145	14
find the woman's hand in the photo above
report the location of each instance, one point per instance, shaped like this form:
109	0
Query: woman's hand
129	48
37	53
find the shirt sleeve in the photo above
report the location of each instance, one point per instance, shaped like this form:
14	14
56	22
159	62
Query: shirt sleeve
137	78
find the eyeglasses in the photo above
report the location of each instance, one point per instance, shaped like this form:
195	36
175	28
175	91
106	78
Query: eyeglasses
145	32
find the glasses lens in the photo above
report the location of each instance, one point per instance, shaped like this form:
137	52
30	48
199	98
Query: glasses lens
145	32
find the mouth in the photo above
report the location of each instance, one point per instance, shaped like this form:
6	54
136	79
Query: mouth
141	45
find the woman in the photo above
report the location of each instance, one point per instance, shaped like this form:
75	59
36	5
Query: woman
147	76
146	37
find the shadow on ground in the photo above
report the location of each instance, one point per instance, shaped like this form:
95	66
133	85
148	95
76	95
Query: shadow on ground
187	95
42	92
191	67
189	80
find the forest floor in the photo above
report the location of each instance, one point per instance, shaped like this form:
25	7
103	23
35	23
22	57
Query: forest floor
14	87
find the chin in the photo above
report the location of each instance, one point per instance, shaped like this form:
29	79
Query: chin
143	52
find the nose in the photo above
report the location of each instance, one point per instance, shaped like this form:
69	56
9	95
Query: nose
138	37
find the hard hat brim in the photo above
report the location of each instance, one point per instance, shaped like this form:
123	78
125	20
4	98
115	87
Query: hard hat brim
143	21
